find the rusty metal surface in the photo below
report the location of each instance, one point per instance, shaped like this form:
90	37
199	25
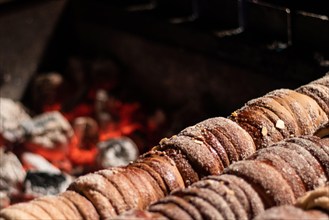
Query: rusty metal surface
25	29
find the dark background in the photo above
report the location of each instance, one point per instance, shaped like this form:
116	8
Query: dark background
194	59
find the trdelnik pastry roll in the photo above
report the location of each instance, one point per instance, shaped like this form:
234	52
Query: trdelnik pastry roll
282	174
313	205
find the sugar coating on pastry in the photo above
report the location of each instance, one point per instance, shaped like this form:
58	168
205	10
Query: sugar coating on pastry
233	200
288	98
278	124
263	128
272	187
241	139
287	172
146	190
317	92
197	153
228	146
11	213
237	136
63	207
278	109
218	147
313	162
244	192
216	200
141	215
167	169
299	164
76	213
146	177
206	210
183	204
170	210
155	175
187	171
96	182
316	150
52	209
29	209
308	113
84	206
123	185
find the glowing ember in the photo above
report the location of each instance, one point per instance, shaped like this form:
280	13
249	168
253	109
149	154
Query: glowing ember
73	132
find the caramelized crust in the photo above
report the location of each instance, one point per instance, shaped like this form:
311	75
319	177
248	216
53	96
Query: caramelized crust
145	190
230	196
189	175
227	145
148	179
290	125
75	212
141	215
52	209
313	111
305	110
241	140
220	150
84	206
317	92
95	186
315	149
12	213
170	210
266	132
272	188
312	162
214	199
243	191
167	169
187	207
124	186
155	175
30	209
206	210
197	153
299	164
287	172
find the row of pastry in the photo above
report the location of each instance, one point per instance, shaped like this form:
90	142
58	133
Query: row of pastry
210	147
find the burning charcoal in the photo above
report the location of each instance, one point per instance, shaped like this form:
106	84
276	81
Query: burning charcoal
117	152
11	114
86	130
101	108
46	90
83	150
11	172
42	183
38	163
48	130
